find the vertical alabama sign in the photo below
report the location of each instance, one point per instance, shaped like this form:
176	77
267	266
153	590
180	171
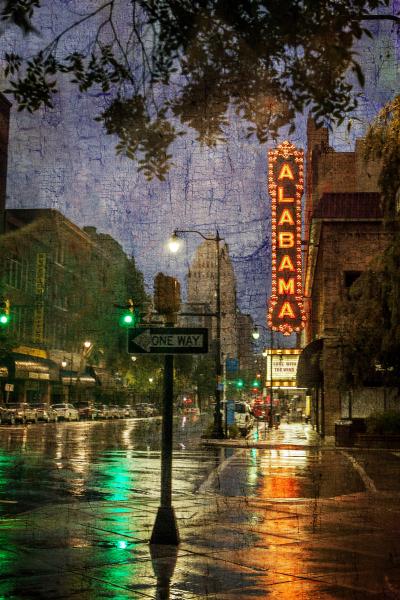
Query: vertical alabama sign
285	186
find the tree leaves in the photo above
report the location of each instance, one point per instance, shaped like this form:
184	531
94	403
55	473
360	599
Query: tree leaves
383	142
371	314
194	61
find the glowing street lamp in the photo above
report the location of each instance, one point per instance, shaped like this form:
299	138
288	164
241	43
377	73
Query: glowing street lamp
174	243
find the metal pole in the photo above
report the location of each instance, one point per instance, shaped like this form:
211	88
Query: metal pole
271	420
217	426
218	431
165	530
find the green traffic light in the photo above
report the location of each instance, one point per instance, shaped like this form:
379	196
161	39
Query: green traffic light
128	319
4	319
239	383
256	384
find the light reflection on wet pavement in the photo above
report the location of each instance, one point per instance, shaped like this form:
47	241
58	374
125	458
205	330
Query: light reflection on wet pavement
292	521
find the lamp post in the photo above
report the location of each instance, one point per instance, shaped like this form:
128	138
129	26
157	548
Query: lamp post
174	246
256	334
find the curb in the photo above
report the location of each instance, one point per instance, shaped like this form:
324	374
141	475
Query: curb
254	444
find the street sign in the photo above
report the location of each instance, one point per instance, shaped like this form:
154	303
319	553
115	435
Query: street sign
9	387
230	412
232	365
168	340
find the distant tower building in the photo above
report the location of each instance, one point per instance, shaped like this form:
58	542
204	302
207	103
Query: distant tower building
245	325
202	283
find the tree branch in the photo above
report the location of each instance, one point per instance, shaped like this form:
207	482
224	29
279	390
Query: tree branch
393	18
55	41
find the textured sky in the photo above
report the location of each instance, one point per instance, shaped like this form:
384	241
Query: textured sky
62	159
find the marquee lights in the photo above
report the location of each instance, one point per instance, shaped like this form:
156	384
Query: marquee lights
285	186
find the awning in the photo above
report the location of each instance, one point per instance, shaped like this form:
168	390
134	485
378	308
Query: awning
34	367
309	373
86	378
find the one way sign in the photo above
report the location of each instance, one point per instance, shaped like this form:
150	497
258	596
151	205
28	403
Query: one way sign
168	340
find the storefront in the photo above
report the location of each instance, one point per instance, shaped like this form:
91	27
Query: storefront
78	386
310	375
27	378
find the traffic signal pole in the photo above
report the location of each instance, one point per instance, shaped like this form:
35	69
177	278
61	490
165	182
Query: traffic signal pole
165	530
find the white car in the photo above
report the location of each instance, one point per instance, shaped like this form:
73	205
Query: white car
66	412
243	417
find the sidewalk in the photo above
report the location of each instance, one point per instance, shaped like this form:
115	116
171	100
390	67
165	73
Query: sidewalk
290	435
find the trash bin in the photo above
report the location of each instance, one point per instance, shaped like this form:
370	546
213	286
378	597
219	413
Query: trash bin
343	433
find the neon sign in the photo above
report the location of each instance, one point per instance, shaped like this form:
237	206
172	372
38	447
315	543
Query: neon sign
285	186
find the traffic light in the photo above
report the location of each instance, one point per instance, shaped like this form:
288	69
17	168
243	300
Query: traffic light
256	383
167	294
4	312
131	316
239	383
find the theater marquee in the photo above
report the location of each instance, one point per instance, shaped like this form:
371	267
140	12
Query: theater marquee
285	186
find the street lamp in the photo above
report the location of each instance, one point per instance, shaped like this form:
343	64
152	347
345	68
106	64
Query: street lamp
174	245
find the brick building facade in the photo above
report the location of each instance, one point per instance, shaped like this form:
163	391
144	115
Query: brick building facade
344	232
62	283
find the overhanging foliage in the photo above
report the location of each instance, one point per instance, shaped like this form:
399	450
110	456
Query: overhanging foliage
164	62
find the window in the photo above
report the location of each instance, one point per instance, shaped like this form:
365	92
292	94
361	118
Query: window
59	256
17	273
350	277
59	296
18	322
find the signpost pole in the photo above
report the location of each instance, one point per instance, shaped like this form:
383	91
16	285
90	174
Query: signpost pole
165	530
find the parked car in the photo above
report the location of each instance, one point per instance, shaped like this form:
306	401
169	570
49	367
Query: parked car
115	411
7	416
45	412
193	410
128	411
145	410
243	417
23	413
86	410
65	412
261	411
102	411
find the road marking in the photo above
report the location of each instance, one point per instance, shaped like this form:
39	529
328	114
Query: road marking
367	481
213	476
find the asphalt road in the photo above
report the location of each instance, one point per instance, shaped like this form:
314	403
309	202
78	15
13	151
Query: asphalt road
117	460
294	520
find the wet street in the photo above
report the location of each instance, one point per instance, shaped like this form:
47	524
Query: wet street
294	519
